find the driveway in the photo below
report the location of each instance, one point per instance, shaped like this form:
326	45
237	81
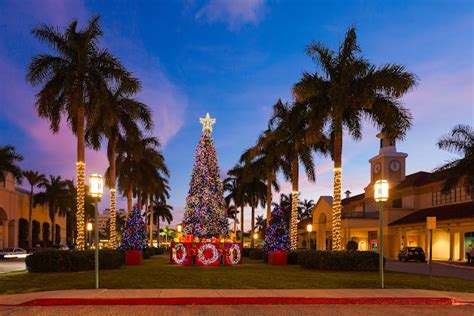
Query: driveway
439	269
12	265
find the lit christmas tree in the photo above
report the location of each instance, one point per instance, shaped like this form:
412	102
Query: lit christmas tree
205	215
133	232
277	234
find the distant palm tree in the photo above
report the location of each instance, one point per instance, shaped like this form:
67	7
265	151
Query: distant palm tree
286	205
306	210
348	89
161	211
290	125
34	179
118	115
71	81
460	141
261	224
8	163
234	184
55	196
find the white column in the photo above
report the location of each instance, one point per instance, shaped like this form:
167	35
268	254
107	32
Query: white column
16	228
5	234
461	246
451	245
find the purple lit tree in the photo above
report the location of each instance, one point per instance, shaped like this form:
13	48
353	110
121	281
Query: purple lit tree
133	232
277	234
205	214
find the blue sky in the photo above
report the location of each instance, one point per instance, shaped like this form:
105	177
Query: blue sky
234	59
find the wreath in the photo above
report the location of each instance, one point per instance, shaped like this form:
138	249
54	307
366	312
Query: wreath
184	253
213	258
234	254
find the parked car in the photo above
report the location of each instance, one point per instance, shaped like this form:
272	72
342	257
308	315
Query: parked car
13	253
61	247
412	253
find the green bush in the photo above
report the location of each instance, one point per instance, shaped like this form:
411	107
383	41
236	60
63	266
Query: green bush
69	261
339	260
351	245
246	252
292	256
159	251
256	254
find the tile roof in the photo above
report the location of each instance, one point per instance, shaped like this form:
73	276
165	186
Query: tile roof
420	178
353	199
444	212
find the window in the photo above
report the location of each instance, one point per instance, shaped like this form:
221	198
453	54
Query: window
397	203
457	194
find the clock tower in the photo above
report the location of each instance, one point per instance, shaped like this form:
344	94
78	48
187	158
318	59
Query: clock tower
388	164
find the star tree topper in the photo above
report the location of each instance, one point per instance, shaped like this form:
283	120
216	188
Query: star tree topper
207	123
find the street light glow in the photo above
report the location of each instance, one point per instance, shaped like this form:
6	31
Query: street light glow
381	191
96	185
309	228
89	227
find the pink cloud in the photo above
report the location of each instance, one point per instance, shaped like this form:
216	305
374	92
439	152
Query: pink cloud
233	13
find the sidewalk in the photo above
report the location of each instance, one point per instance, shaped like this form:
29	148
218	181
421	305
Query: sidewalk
238	297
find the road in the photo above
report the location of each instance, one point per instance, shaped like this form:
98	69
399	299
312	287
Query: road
12	265
224	310
439	269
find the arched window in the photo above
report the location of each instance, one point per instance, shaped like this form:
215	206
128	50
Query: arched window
23	233
46	234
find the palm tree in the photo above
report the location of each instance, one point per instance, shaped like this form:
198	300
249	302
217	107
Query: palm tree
234	184
267	160
34	179
460	141
8	163
161	211
118	114
290	127
286	205
261	224
347	90
306	210
55	196
232	212
71	82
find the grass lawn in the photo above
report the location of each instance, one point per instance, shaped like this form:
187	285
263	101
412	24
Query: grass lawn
158	273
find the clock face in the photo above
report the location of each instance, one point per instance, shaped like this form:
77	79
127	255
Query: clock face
377	168
394	165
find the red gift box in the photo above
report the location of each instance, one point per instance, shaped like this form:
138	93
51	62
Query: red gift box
181	253
277	258
232	251
208	254
133	257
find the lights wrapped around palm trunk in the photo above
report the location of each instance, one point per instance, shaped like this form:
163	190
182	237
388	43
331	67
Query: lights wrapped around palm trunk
336	211
294	221
81	173
113	220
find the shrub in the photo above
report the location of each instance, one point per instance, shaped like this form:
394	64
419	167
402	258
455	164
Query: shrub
159	251
256	254
246	251
339	260
351	245
69	261
292	256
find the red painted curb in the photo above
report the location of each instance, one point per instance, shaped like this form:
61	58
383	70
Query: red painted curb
246	301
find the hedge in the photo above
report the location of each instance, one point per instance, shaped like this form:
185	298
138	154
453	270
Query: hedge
69	261
339	260
257	254
149	252
246	252
292	256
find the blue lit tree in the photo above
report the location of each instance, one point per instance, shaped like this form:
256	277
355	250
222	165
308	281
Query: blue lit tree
277	234
133	232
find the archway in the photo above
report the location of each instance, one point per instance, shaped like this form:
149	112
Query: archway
3	229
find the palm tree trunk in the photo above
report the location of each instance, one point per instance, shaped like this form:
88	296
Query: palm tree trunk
30	224
81	170
158	232
113	215
53	228
252	240
269	197
294	205
129	199
150	211
235	221
242	222
336	206
139	200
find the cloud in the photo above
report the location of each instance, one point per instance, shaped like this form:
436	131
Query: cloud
233	13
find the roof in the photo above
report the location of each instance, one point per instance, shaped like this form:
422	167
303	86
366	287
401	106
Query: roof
420	178
444	212
304	222
354	198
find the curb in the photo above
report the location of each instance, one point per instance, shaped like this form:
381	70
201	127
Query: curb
245	301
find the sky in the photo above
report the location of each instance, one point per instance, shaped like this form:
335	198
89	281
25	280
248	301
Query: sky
235	59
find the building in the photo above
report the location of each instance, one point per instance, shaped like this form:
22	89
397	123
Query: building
413	198
14	209
105	216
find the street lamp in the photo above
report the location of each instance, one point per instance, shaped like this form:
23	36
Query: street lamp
179	228
381	196
309	229
96	188
89	230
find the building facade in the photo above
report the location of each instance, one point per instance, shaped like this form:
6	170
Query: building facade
413	198
14	209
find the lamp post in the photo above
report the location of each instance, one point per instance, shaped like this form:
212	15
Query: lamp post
255	237
89	230
381	196
309	229
96	187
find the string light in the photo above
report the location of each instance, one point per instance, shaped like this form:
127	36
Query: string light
113	218
294	221
205	215
336	211
81	174
276	237
133	232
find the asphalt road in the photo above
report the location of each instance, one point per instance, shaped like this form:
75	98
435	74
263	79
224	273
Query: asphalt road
10	265
224	310
439	269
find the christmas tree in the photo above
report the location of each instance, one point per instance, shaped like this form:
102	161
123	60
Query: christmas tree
277	234
133	232
205	215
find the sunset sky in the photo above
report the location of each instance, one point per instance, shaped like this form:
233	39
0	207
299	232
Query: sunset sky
234	59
